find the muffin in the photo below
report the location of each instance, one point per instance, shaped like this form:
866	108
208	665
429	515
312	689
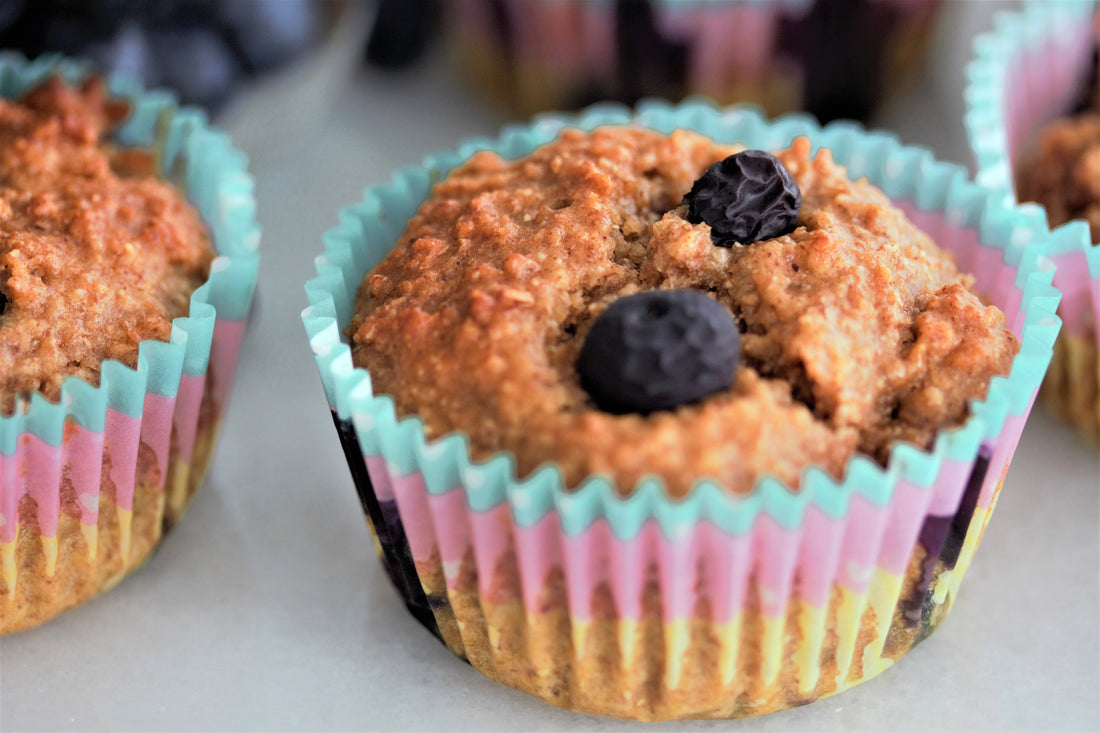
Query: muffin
127	265
830	58
1034	124
740	552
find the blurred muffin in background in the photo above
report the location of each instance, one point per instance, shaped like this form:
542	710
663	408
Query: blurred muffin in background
833	58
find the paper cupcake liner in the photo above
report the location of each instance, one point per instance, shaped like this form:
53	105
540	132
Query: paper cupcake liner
714	605
1071	389
1030	70
89	484
780	54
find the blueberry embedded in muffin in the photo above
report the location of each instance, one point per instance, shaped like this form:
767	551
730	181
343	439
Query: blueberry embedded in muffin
658	350
748	196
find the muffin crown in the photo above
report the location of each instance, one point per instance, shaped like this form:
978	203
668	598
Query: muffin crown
906	173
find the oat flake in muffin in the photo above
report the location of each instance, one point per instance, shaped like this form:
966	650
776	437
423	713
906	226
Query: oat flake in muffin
96	254
857	330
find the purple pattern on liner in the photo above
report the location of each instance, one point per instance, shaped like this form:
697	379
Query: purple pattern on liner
386	521
942	538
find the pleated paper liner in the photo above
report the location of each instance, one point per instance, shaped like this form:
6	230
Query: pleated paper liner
714	605
89	485
1032	69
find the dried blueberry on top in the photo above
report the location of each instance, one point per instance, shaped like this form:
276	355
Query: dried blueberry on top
657	350
746	197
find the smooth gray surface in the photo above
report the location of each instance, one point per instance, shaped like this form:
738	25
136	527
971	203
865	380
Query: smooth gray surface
267	610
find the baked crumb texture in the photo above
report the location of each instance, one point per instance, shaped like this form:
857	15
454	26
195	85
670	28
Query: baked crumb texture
97	256
858	331
1063	174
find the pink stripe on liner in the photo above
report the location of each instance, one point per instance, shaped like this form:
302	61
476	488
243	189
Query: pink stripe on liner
451	530
729	565
948	490
987	263
599	40
412	503
1006	296
679	22
83	461
676	562
550	34
629	561
185	417
1003	450
1072	278
1096	304
539	553
906	515
225	349
491	533
42	473
819	556
725	43
1050	76
120	440
380	477
156	429
861	546
587	559
776	550
11	490
756	26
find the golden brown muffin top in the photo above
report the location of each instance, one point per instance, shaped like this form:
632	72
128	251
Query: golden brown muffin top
96	254
857	330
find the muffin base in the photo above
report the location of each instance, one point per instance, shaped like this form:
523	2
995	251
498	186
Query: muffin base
655	668
1071	389
44	576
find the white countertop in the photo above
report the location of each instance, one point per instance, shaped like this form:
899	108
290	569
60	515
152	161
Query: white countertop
266	609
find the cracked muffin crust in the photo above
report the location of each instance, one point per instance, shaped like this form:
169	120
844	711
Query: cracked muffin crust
96	254
857	331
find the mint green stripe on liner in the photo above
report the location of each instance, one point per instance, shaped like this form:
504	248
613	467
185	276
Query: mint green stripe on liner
214	177
369	229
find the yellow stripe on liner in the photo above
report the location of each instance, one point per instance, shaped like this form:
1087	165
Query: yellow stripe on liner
7	553
125	522
812	621
677	641
884	593
91	537
729	635
49	549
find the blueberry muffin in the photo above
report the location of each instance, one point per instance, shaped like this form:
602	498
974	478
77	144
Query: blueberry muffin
119	329
856	331
649	422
